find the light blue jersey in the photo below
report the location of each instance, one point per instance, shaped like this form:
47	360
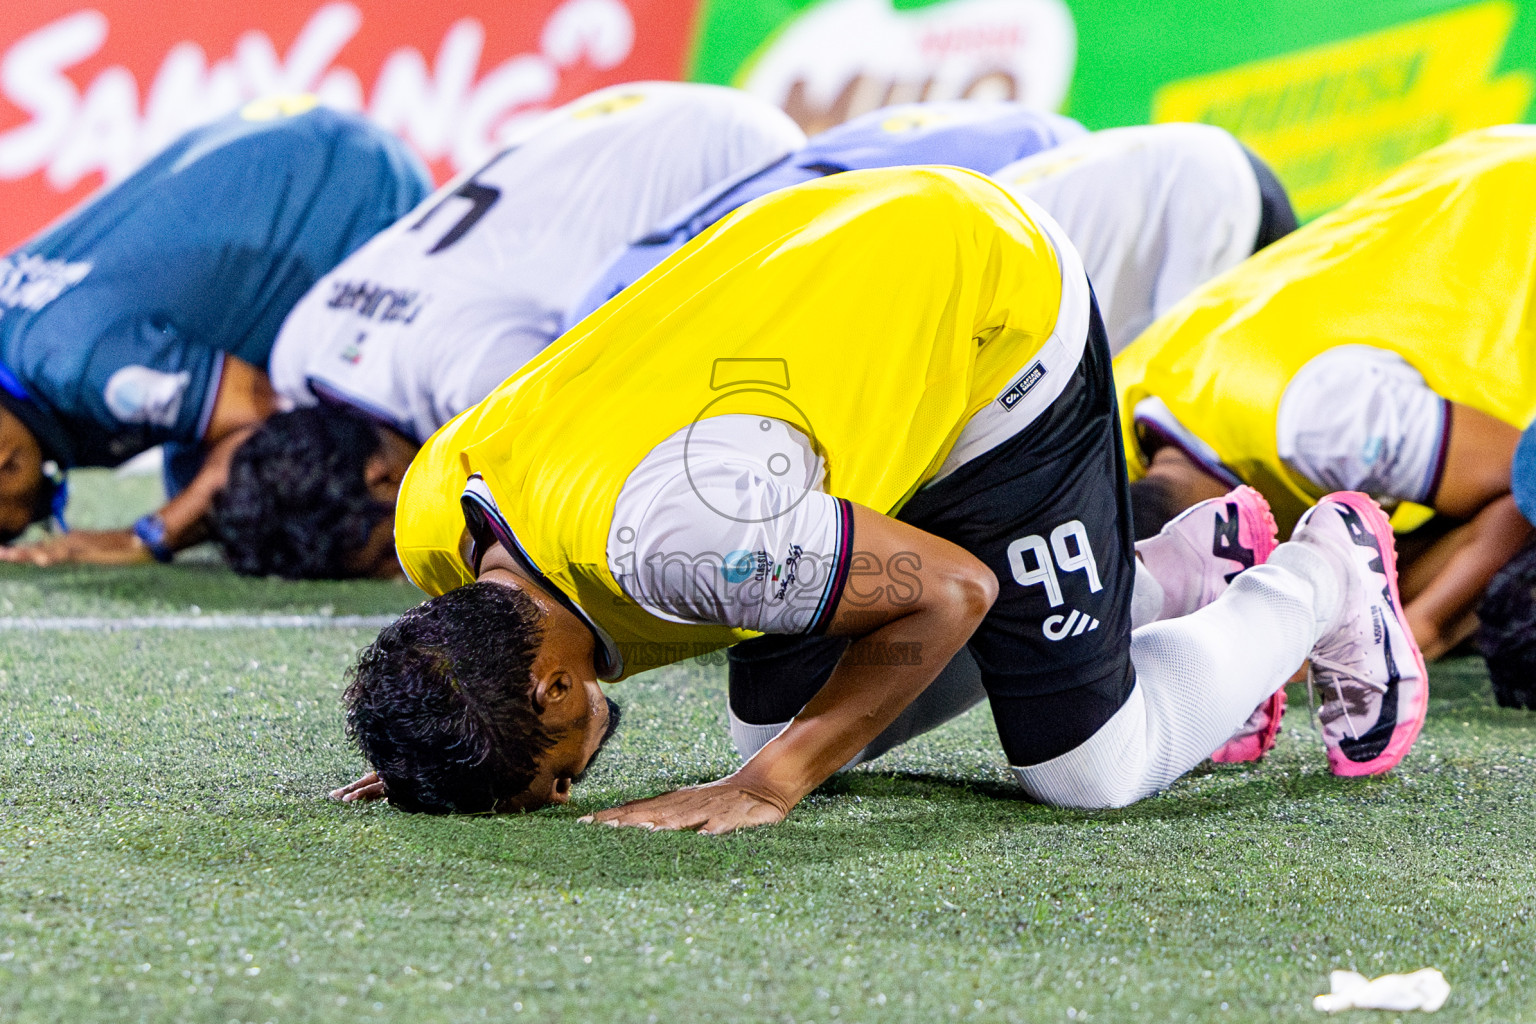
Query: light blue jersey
115	322
979	136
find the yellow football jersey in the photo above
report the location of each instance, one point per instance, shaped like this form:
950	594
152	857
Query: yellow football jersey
876	311
1436	264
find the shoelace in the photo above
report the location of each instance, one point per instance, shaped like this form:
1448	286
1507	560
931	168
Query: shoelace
1341	670
1312	701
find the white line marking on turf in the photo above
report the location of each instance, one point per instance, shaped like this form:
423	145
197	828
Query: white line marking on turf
102	623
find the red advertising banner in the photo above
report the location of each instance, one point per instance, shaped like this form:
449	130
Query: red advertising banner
88	92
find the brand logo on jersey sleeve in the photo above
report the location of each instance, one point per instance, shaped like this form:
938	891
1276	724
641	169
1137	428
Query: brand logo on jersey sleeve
138	394
738	565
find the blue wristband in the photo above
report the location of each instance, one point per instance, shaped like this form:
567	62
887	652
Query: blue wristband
150	530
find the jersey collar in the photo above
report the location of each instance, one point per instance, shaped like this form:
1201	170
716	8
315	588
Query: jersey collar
1157	427
330	394
488	527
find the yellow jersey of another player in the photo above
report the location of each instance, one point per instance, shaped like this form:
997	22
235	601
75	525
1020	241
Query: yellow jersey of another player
875	311
1436	264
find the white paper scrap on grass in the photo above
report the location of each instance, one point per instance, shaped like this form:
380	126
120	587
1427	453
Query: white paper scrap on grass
1422	990
48	624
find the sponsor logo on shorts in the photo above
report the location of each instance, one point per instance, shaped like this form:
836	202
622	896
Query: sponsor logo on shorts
1021	387
1040	562
1059	627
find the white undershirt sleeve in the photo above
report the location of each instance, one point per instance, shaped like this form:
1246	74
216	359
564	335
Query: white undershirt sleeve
1359	418
727	522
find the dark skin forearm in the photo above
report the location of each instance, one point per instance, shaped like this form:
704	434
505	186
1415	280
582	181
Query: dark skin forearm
186	515
1441	588
864	696
1478	453
245	398
860	698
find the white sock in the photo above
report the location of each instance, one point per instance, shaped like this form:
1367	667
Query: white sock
750	738
1313	565
1164	560
1199	677
956	690
1147	597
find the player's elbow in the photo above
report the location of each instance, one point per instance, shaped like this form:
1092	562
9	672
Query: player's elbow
969	591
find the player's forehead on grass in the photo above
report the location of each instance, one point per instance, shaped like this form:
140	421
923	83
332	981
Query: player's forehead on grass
457	711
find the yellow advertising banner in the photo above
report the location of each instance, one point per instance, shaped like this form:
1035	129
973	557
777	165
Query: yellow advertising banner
1335	119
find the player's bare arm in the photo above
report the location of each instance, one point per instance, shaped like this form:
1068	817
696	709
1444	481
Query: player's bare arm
244	399
861	698
1442	585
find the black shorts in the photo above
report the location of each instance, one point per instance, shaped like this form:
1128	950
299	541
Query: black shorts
1276	217
1049	512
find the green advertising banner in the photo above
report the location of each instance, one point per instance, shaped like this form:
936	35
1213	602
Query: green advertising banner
1333	95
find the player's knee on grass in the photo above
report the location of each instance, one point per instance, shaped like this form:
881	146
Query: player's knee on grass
297	503
441	704
1507	630
1154	501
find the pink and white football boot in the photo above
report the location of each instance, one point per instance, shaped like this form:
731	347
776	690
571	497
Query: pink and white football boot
1368	668
1202	549
1195	556
1255	737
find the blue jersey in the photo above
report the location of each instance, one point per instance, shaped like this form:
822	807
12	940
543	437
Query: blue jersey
114	323
979	136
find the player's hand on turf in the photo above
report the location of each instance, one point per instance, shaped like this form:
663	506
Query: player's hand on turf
713	809
369	787
89	547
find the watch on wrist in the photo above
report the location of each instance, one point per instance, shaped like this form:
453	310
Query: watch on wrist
150	530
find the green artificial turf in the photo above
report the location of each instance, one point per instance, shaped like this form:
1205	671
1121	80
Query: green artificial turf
166	853
197	584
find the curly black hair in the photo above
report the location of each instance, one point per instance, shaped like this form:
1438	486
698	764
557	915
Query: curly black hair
1506	632
297	504
1153	502
441	704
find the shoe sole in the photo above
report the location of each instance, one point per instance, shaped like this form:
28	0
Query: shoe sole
1258	531
1405	732
1254	746
1254	513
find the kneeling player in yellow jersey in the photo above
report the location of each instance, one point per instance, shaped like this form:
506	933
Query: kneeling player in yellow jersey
855	428
1386	348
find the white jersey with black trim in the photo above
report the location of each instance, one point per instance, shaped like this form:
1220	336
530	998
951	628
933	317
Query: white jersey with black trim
1154	210
427	318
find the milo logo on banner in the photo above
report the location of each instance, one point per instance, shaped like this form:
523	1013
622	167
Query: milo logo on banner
841	58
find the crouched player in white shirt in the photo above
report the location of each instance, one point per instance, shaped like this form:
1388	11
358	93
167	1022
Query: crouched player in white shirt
430	316
1156	211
